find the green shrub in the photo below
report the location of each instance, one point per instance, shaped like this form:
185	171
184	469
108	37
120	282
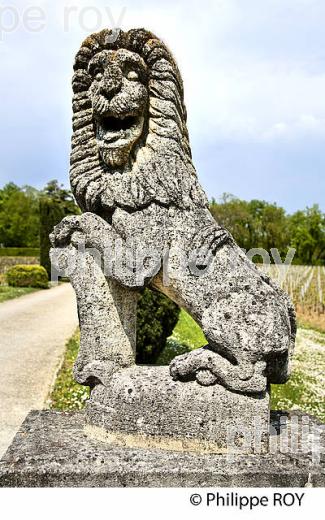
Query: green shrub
19	251
27	276
156	318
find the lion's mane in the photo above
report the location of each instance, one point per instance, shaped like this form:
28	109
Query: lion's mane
162	170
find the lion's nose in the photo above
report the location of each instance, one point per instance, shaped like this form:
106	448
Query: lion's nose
111	81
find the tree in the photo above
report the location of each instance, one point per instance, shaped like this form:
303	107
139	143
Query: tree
269	226
57	193
307	232
234	215
254	224
54	204
19	216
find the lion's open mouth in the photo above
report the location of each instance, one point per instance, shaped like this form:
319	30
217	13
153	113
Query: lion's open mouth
115	124
118	131
116	136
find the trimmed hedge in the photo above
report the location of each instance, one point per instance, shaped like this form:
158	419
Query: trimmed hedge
156	318
6	262
20	251
27	276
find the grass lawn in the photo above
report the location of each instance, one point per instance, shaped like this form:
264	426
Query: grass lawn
7	293
67	394
306	387
305	390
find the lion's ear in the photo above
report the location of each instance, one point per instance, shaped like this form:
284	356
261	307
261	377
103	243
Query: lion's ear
81	81
137	38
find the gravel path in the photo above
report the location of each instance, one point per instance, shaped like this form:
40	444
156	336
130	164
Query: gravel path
33	332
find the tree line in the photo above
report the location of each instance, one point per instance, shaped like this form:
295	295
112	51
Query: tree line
253	224
260	224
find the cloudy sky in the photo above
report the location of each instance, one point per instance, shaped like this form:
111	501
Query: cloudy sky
254	74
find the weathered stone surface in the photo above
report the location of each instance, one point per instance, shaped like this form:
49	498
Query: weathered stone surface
147	216
103	349
52	449
145	401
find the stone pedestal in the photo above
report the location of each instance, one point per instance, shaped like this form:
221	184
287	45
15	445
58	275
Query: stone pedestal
143	406
52	450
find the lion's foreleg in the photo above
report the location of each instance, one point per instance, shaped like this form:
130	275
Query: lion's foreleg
104	270
107	310
107	317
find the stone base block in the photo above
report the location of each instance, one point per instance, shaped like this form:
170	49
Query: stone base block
52	450
142	405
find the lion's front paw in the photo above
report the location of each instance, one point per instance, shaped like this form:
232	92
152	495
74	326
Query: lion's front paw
62	232
80	230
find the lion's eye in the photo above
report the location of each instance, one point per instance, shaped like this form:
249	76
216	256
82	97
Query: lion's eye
132	75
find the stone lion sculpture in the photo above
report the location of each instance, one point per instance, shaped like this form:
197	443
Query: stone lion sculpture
133	177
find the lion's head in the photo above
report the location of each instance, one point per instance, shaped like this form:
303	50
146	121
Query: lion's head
130	142
119	98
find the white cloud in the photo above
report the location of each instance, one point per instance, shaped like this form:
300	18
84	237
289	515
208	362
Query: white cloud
237	83
254	100
253	70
